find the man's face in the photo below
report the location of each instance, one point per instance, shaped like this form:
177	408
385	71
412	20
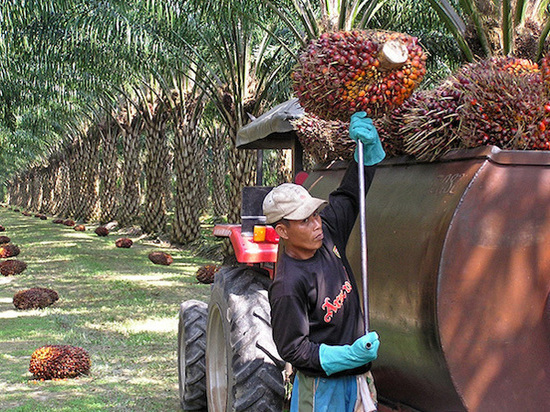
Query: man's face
302	237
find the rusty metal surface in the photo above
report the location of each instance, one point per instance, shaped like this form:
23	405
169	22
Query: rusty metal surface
459	276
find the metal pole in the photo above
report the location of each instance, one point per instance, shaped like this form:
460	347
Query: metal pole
363	223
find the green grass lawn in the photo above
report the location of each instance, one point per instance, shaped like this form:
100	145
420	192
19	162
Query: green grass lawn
116	304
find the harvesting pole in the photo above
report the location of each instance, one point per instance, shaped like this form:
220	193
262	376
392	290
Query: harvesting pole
363	228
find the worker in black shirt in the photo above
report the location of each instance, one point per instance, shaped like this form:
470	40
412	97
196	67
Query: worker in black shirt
315	307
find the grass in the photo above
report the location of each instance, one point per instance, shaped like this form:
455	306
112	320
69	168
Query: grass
114	303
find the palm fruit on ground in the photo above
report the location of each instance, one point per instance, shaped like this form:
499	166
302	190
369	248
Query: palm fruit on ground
35	298
59	362
80	228
57	221
124	242
102	231
8	250
4	239
205	274
12	267
69	222
2	228
43	217
25	213
160	258
348	71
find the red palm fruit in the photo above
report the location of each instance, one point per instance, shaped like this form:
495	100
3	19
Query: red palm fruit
59	362
35	298
205	274
57	221
69	222
4	239
124	242
12	267
102	231
8	250
79	228
160	258
2	228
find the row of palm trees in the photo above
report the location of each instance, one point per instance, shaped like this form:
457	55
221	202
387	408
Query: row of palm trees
129	109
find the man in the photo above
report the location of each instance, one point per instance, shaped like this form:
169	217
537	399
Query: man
315	307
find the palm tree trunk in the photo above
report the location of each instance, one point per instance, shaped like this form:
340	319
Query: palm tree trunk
156	175
128	211
242	164
108	172
62	186
89	189
189	175
219	173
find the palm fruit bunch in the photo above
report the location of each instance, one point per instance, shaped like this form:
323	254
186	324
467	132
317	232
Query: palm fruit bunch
545	71
57	221
4	239
101	231
12	267
35	298
503	107
205	274
59	362
324	140
69	222
8	250
160	258
79	228
429	124
124	242
498	101
348	71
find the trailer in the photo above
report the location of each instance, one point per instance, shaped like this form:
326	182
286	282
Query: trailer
459	285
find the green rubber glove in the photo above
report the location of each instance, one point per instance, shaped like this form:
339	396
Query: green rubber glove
339	358
362	128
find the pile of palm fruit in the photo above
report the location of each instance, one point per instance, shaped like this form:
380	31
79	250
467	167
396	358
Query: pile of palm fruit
35	298
59	362
502	101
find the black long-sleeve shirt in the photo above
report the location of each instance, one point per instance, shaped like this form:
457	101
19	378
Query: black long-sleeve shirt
316	300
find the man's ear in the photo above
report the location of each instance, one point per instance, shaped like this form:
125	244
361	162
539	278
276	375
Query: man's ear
281	230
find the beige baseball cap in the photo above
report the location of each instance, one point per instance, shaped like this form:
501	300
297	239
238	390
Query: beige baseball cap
290	201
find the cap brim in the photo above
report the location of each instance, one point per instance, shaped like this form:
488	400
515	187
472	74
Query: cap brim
306	209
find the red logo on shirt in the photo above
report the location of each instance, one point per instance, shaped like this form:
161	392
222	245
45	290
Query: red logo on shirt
332	308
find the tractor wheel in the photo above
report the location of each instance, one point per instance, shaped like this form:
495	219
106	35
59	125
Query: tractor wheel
243	368
191	359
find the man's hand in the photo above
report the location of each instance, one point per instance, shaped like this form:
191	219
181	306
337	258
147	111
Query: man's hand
338	358
361	128
366	347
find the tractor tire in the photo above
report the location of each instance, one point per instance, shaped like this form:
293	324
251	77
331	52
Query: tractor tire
191	355
243	368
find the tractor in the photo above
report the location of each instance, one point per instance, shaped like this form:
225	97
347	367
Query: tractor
459	282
